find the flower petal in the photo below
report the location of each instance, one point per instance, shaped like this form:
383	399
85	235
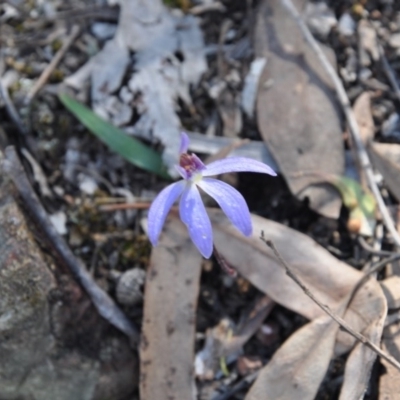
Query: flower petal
237	164
160	207
197	163
184	143
194	216
182	172
231	201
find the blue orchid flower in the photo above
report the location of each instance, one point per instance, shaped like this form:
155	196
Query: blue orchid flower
191	208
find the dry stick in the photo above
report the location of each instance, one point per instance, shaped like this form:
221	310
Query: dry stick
101	300
53	64
367	247
351	120
391	75
361	338
375	269
125	206
11	110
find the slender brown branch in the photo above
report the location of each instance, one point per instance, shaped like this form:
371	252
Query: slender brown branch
11	110
351	120
101	300
344	325
44	77
125	206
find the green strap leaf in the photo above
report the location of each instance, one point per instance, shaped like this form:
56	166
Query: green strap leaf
116	139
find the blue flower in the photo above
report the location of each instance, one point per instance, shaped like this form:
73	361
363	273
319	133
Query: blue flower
191	208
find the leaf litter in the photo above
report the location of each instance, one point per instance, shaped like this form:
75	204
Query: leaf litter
169	58
297	114
167	344
153	46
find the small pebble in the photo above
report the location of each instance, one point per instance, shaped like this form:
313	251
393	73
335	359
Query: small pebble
129	290
346	25
394	40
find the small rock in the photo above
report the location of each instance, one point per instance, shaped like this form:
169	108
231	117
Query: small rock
364	74
349	72
129	290
126	95
103	30
120	113
268	334
320	18
367	43
75	237
87	184
394	40
59	220
346	25
7	12
391	127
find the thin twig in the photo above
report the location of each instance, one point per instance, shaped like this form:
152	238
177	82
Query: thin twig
101	300
351	120
11	110
363	243
361	338
391	75
375	269
44	77
125	206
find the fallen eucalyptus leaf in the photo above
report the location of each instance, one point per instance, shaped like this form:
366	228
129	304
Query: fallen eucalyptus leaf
172	287
391	289
225	341
363	115
297	113
386	159
389	382
299	365
329	279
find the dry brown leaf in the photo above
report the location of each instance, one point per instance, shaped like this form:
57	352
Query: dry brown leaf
172	286
389	384
363	115
360	361
296	108
298	367
386	158
391	289
368	50
224	340
329	279
229	109
362	112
